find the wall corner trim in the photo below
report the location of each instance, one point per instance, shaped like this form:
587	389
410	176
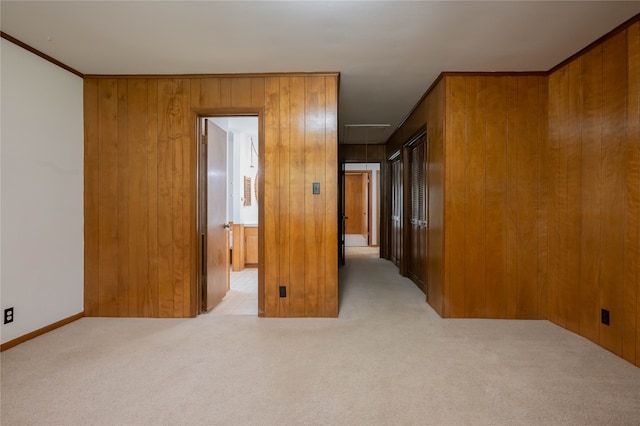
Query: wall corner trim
41	54
15	342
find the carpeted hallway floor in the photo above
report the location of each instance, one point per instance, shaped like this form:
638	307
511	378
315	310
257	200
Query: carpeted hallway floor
388	360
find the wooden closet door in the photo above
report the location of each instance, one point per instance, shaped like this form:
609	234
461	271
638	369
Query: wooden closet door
417	231
396	211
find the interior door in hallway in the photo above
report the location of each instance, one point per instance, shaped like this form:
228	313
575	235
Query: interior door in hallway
217	236
396	210
418	222
356	207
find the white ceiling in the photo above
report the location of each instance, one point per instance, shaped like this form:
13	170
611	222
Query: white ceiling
388	52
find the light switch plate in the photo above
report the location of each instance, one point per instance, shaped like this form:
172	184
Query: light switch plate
316	187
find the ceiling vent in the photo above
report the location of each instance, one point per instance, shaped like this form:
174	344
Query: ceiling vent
371	134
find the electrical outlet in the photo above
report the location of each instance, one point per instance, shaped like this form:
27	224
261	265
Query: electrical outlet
8	315
283	291
604	316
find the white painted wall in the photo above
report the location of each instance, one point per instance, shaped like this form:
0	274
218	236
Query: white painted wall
247	215
41	179
240	131
374	185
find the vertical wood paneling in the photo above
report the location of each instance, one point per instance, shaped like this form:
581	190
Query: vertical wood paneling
91	199
526	234
597	127
543	195
330	242
512	197
572	227
240	92
436	182
284	199
297	193
590	223
455	197
176	117
271	203
493	179
475	157
631	308
257	92
140	182
564	296
225	93
166	117
138	206
125	286
188	209
152	182
614	84
553	222
314	216
496	200
210	92
108	197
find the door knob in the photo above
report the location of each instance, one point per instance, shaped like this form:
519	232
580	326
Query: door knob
226	226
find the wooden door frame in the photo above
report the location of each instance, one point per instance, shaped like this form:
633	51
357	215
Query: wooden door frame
369	203
197	254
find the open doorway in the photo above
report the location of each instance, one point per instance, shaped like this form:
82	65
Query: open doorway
229	214
361	187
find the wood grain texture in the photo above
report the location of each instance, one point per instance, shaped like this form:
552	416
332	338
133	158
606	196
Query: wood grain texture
475	212
435	192
297	188
108	233
512	197
543	196
314	214
527	198
152	182
284	198
614	85
496	198
553	222
140	190
591	165
138	200
493	216
574	193
632	208
593	206
454	293
271	200
91	199
330	289
564	296
126	287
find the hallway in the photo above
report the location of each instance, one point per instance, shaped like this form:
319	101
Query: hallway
388	359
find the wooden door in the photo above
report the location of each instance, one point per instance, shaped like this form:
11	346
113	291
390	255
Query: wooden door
396	211
217	282
418	222
356	221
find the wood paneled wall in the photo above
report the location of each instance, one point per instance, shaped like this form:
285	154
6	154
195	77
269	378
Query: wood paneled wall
140	190
495	241
359	153
594	194
429	114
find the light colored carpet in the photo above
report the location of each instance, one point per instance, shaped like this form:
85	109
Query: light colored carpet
388	360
